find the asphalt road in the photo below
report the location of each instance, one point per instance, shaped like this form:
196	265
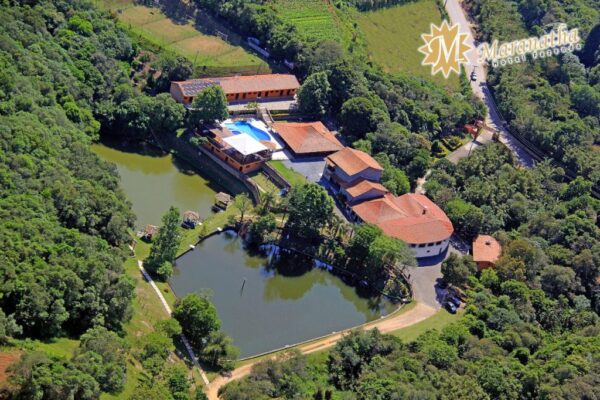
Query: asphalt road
481	89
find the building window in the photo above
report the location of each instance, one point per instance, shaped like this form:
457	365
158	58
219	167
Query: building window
430	244
438	243
422	245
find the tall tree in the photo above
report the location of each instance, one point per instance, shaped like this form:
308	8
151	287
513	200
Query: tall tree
164	246
313	95
457	270
197	317
309	208
243	203
208	106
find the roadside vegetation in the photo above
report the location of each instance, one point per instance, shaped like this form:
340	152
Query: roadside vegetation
558	108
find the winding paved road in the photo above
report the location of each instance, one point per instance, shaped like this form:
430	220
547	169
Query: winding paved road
480	88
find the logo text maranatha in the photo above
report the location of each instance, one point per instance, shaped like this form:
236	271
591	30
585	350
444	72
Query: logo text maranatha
555	42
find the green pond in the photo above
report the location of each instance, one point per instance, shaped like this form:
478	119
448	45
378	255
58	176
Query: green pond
154	181
275	308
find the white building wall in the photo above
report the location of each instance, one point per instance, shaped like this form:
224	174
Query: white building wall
430	249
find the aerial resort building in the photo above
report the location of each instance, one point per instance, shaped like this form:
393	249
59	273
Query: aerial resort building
486	251
241	151
239	88
307	139
349	166
413	218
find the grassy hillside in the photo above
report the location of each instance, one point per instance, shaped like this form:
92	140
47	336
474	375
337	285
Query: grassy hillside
209	52
393	36
315	19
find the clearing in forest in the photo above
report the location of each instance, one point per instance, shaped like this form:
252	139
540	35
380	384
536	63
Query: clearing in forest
208	51
393	37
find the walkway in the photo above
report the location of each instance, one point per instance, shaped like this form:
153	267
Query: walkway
397	321
271	105
480	88
168	310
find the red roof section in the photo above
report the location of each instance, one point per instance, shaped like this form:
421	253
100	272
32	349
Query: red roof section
241	84
307	137
486	249
365	186
353	161
412	218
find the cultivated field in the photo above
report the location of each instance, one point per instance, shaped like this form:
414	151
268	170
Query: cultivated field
209	52
315	19
393	36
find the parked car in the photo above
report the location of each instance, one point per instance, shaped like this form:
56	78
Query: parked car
450	307
454	300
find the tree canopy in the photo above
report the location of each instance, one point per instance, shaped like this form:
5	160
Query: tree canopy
209	106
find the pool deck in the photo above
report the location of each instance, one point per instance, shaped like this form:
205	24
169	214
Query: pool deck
256	124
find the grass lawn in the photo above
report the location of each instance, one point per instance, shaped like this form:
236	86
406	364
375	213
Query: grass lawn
208	52
438	321
264	182
393	37
293	177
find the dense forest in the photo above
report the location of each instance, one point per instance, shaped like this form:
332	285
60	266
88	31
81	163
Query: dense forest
552	102
63	216
64	77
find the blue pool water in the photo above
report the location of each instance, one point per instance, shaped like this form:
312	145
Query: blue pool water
238	127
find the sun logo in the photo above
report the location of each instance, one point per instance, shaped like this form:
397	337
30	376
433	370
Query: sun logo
445	49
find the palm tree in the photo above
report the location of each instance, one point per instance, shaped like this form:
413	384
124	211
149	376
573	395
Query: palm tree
242	203
266	199
335	224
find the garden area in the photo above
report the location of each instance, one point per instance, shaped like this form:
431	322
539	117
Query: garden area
208	52
314	19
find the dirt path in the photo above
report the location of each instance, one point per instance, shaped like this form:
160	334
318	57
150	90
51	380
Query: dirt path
416	314
192	356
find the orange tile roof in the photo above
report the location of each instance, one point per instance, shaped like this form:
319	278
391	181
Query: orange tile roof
412	218
353	161
365	186
307	137
241	84
486	249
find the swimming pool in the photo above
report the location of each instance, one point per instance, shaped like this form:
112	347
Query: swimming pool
238	127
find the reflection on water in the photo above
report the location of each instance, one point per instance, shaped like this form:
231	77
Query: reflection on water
274	309
154	181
